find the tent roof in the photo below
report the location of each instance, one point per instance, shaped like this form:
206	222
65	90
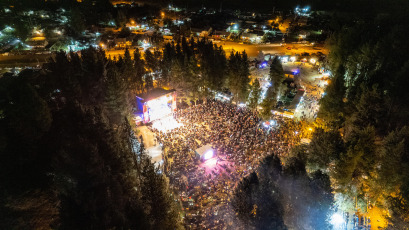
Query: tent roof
202	150
154	93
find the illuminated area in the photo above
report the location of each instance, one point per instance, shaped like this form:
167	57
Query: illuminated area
208	155
166	124
337	221
160	107
156	104
205	152
211	163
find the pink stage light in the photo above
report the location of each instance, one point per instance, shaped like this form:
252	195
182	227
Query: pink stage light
210	164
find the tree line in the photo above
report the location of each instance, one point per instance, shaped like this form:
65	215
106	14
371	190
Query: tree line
360	141
361	138
70	159
196	69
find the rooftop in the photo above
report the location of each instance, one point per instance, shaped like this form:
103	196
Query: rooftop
154	93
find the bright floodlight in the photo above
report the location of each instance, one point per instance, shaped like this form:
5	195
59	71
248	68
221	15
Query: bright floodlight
337	219
208	155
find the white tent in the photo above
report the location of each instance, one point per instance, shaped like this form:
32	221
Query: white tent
205	152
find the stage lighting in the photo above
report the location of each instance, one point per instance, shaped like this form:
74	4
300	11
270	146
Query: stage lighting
208	155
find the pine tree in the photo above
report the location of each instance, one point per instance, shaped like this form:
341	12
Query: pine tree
166	63
233	74
268	103
332	104
116	100
157	199
151	64
244	77
139	72
255	94
276	76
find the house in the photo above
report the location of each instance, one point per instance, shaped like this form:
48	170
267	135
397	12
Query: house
252	37
204	34
302	21
248	36
201	32
123	42
167	38
217	35
37	42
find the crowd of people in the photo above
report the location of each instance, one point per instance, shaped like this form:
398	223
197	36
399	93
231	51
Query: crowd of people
240	140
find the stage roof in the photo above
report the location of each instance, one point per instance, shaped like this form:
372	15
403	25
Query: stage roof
202	150
154	93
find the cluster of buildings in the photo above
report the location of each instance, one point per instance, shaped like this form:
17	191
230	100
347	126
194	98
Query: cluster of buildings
51	31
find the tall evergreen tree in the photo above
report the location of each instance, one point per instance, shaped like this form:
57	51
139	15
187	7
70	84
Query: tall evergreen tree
139	72
276	76
332	104
244	79
238	76
255	94
116	96
268	103
151	64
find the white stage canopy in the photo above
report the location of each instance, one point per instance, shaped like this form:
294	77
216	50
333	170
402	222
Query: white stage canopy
205	152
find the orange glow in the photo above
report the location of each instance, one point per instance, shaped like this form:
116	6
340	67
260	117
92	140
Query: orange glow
377	215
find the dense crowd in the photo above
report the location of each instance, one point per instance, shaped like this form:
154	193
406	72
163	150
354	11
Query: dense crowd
240	141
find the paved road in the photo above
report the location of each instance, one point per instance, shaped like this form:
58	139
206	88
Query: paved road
31	60
253	50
